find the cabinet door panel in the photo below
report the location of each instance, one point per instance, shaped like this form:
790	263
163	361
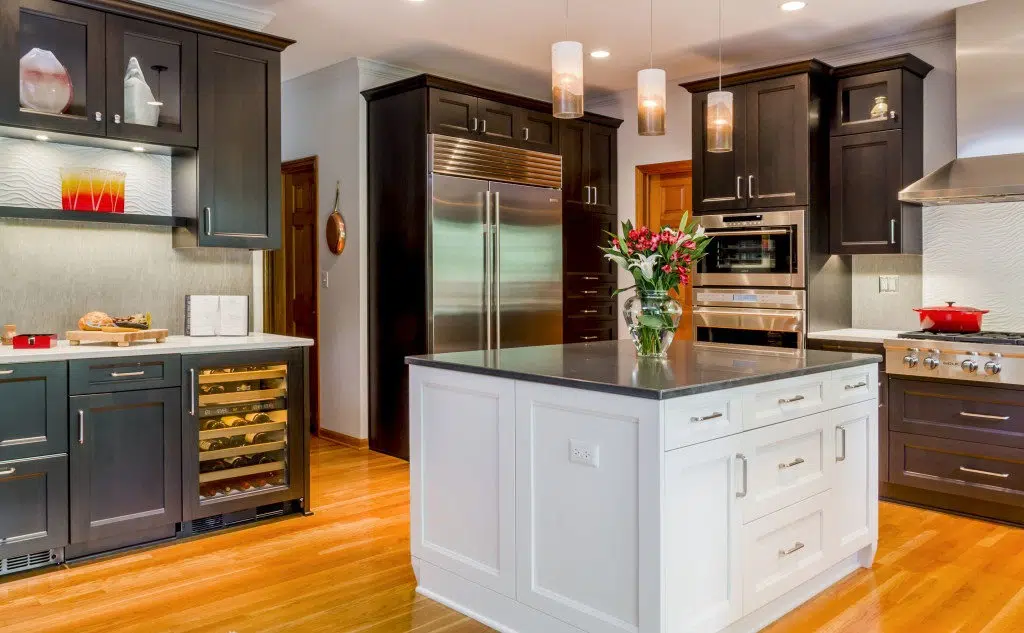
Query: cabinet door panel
857	103
453	114
167	58
33	409
602	168
575	142
240	145
125	463
33	505
498	122
75	37
866	176
856	471
582	231
719	179
703	572
778	142
538	131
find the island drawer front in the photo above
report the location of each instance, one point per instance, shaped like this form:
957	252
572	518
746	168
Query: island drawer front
979	471
700	418
33	410
108	375
850	386
786	399
989	415
787	463
785	549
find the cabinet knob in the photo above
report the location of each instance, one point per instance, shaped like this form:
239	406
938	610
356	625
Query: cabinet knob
99	117
893	115
526	133
117	119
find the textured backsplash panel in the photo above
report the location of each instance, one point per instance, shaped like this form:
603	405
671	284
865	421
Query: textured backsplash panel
51	273
890	311
30	174
974	255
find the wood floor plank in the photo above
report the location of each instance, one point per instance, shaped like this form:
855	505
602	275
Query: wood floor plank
346	570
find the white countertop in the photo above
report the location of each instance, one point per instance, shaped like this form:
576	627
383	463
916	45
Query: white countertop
856	335
173	345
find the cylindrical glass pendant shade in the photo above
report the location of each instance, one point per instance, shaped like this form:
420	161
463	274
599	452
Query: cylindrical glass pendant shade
567	80
719	130
650	102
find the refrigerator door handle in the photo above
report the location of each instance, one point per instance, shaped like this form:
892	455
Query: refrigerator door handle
496	254
488	268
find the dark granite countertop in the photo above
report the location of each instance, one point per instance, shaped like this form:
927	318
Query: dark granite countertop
613	367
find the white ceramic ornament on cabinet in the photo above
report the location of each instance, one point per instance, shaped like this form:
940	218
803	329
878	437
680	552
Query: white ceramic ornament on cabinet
45	85
139	104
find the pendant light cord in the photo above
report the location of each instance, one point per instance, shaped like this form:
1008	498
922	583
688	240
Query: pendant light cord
567	20
720	3
652	33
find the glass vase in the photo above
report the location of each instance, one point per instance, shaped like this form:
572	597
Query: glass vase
652	318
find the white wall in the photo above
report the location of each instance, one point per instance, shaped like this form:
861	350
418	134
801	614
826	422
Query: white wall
324	115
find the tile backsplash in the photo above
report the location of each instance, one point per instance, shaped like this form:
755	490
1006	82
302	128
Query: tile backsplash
51	273
889	311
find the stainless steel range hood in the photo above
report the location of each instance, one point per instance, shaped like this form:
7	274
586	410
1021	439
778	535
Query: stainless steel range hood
989	111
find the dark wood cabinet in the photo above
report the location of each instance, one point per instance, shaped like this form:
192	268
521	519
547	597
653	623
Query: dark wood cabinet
778	142
107	375
575	144
491	121
125	463
589	166
877	149
453	114
33	509
602	168
719	178
498	122
33	410
236	172
539	131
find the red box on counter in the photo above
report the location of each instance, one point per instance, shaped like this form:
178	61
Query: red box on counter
35	341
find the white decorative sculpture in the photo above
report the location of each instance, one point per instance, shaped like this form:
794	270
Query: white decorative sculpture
139	105
45	85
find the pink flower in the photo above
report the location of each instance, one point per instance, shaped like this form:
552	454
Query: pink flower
690	244
687	258
615	242
666	268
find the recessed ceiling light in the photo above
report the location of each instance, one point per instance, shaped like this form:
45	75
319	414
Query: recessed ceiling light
600	53
793	5
138	148
42	137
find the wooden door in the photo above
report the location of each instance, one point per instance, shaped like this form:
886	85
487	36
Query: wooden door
498	122
664	194
778	142
575	142
33	505
240	145
454	114
866	177
291	297
33	410
538	131
602	168
720	179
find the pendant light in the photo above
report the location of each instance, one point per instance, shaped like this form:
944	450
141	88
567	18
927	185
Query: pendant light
567	76
720	111
650	95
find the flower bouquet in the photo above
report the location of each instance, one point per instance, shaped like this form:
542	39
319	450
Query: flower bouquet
659	262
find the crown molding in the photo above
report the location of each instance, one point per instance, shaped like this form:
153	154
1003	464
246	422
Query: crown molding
218	11
378	73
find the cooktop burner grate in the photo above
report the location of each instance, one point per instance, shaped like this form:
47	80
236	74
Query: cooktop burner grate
995	338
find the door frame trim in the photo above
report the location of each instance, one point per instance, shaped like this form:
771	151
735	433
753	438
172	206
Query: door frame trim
643	184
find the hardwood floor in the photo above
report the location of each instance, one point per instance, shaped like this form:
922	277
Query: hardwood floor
346	570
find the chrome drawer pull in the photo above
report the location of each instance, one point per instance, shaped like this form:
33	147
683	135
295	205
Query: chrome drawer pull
857	386
791	400
591	279
983	416
588	292
843	457
588	311
9	471
965	469
705	418
126	374
795	462
743	458
6	372
81	427
588	338
796	548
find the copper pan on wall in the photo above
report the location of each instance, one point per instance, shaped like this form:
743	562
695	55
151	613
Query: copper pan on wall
336	225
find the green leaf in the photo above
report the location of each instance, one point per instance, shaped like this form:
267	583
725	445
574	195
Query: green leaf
651	321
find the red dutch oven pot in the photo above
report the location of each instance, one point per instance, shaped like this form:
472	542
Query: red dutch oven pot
951	318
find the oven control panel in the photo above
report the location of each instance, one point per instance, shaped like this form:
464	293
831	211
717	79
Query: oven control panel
955	361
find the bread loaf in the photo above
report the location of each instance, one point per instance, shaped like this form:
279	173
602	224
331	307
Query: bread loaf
95	322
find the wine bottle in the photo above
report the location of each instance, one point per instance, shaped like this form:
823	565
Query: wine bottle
233	421
260	438
239	461
214	423
214	444
264	458
213	466
258	418
236	440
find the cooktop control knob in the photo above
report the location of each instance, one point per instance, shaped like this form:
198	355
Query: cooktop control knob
970	366
993	367
910	361
931	362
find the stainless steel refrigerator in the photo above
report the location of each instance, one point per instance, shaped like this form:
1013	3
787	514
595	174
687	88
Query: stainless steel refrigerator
495	250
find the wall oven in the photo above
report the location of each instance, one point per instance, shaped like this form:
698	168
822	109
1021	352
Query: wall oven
761	249
746	316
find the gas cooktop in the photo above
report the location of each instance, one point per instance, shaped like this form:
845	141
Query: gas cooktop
992	338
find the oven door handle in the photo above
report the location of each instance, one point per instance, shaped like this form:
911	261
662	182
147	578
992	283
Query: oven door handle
727	233
749	319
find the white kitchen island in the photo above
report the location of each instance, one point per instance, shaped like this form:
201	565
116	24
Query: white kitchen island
574	488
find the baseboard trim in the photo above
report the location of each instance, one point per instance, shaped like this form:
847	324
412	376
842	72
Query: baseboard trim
344	440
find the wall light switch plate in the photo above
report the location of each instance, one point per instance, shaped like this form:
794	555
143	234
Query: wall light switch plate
585	453
325	280
888	284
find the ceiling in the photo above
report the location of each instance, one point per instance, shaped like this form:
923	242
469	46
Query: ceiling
506	43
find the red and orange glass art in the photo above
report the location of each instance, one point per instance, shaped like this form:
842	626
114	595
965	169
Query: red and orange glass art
91	189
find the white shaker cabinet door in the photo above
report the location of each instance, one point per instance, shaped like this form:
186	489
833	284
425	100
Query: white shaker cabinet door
704	485
462	459
855	488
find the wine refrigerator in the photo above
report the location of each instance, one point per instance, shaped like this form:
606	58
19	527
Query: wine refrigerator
244	440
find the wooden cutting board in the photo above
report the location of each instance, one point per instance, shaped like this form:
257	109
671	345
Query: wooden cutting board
121	337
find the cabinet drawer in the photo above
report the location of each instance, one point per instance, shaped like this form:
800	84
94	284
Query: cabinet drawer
600	291
787	463
785	400
959	412
784	550
967	469
33	505
33	408
701	418
850	386
584	309
587	331
108	375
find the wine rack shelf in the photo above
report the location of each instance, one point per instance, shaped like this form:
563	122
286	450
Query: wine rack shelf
233	473
243	376
243	429
240	397
250	449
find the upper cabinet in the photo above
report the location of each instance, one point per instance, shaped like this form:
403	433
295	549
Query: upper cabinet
776	134
877	149
589	166
492	121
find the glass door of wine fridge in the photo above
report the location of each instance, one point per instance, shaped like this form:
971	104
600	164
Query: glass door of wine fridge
246	436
